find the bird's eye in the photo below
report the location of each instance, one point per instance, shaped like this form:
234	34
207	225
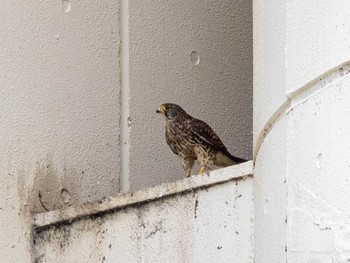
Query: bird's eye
166	107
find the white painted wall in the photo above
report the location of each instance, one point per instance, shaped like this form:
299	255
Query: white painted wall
300	138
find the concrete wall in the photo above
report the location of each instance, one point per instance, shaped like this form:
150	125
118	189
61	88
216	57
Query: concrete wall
301	115
199	219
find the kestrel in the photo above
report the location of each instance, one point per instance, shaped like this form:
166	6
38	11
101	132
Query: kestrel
192	139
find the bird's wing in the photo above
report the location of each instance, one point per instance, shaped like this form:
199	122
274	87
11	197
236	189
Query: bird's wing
206	134
170	143
203	131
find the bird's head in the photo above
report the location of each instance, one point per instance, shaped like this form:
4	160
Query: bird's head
171	111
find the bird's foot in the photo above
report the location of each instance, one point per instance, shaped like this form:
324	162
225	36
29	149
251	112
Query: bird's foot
201	171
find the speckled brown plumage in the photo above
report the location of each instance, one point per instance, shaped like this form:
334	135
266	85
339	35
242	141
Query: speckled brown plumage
193	140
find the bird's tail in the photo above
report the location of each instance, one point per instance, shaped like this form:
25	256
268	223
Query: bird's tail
224	158
235	159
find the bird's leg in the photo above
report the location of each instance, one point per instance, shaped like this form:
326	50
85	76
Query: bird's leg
206	165
204	159
187	164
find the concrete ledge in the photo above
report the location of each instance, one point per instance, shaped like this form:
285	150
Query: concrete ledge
192	183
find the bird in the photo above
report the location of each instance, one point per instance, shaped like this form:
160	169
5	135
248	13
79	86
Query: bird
194	140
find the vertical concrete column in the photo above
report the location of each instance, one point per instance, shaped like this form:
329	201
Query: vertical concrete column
269	26
301	115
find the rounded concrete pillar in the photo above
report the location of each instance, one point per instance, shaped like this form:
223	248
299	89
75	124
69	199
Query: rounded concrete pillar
269	142
301	119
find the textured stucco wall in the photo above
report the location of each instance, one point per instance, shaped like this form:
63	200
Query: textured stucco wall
301	115
201	224
60	86
218	90
59	77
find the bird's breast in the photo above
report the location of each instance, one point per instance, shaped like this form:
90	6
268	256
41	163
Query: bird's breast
180	139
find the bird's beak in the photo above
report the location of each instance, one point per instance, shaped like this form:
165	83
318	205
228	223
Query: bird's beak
161	109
